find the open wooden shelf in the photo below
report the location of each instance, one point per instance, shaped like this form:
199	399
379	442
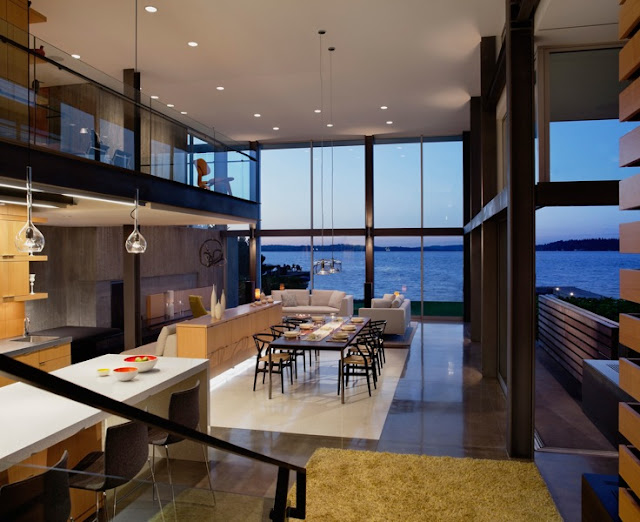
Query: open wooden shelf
21	257
28	297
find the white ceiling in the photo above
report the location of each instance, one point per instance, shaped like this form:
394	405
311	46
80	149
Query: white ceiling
420	58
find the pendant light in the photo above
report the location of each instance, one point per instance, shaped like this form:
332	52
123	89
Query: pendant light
335	265
325	266
29	239
136	243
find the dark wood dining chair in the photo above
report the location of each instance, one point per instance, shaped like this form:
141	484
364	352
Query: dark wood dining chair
358	362
279	330
279	360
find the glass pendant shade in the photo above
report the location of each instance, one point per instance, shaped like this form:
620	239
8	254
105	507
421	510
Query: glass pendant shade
136	243
29	239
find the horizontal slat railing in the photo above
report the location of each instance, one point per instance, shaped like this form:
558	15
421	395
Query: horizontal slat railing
51	383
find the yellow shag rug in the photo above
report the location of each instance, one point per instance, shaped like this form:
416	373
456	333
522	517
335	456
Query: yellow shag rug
349	485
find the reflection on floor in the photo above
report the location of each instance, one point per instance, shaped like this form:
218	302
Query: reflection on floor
441	406
311	405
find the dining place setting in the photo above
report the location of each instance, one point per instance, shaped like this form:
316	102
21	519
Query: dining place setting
356	339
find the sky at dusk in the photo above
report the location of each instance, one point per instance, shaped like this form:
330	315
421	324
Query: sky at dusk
580	150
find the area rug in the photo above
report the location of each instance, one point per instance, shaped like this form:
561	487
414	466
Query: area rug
352	486
197	505
400	341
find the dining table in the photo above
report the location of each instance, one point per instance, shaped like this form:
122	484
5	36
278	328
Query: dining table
321	336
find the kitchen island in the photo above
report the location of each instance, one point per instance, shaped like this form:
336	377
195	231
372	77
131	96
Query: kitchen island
38	426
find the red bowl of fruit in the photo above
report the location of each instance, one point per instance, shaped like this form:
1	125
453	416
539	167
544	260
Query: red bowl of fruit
144	363
126	373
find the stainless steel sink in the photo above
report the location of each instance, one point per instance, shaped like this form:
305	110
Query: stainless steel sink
36	338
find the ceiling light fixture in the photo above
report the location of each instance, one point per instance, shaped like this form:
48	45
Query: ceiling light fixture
324	265
93	198
276	128
256	115
220	88
192	44
151	9
29	239
183	112
76	56
384	107
136	243
389	122
170	105
154	97
318	111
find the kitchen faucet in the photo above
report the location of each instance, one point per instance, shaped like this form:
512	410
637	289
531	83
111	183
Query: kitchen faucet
26	327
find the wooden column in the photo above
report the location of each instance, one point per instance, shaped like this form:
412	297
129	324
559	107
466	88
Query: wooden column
520	170
476	235
488	166
466	206
368	221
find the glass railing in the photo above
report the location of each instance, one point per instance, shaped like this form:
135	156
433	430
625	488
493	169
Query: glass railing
81	111
52	415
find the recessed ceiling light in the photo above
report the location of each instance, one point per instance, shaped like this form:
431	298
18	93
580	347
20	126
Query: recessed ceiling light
154	97
76	56
220	88
171	105
183	112
256	115
192	44
276	128
384	107
150	9
317	111
389	122
329	124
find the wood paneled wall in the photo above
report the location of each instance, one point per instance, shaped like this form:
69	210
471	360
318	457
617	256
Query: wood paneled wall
629	413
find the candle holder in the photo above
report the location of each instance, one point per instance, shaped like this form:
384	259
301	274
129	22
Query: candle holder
32	280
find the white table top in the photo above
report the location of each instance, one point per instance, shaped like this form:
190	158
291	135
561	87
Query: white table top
33	420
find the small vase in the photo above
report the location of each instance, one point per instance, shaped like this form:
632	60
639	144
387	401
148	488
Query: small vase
214	300
223	302
218	311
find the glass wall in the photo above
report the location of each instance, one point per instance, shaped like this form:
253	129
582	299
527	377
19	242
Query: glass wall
443	184
92	115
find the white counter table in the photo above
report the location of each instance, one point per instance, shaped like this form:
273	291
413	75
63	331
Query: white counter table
35	421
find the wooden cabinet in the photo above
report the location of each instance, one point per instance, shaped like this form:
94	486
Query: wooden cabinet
48	360
227	341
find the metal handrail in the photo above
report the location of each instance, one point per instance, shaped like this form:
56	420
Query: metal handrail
56	385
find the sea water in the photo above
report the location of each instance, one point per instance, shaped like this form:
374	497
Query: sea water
596	272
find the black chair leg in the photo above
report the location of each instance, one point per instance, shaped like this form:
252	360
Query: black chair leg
368	384
282	377
339	378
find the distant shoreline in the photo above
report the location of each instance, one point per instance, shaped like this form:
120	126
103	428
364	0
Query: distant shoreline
571	245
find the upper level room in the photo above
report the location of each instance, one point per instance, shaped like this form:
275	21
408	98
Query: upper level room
218	80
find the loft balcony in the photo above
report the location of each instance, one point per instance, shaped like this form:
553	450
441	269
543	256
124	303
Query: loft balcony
82	130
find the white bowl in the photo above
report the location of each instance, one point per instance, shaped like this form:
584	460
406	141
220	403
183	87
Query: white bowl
291	334
306	326
126	373
103	372
357	320
348	327
142	365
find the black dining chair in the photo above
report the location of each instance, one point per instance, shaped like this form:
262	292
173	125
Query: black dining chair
279	360
279	330
125	454
43	498
358	362
184	408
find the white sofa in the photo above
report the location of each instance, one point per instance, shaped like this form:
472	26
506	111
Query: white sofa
318	302
167	344
395	310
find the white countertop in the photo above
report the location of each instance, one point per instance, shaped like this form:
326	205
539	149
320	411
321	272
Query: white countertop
33	420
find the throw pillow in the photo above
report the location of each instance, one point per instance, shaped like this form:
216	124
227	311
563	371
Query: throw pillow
381	303
396	303
321	297
166	331
336	299
389	297
288	300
